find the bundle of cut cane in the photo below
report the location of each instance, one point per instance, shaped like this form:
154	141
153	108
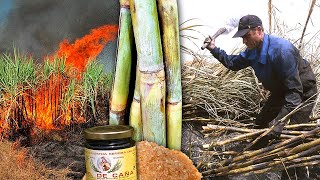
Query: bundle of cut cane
294	149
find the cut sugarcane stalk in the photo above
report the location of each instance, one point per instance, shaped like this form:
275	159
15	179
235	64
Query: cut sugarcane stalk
120	89
152	76
168	14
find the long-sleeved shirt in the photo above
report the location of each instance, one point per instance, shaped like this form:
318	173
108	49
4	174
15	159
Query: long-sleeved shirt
280	68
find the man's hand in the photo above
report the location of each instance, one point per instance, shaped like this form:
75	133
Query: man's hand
209	43
277	129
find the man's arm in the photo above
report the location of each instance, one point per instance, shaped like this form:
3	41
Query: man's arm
233	62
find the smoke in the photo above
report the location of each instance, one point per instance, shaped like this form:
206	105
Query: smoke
37	27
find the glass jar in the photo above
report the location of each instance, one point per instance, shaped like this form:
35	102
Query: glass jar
110	152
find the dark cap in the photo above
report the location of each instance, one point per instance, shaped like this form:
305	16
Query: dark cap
246	23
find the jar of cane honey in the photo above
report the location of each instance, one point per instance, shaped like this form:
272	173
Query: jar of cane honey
110	153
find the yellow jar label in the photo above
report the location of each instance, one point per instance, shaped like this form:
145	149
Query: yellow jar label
111	164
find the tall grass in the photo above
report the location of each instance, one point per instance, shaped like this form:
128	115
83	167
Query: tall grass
94	82
54	66
17	74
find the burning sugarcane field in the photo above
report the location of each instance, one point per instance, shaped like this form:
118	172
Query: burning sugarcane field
136	89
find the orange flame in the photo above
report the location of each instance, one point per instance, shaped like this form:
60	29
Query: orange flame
48	104
88	47
48	101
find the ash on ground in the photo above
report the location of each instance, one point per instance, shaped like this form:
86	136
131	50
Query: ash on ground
59	153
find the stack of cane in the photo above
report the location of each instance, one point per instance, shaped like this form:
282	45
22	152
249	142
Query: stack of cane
298	145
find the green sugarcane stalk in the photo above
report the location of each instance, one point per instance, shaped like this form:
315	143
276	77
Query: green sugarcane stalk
135	120
152	76
168	14
135	110
120	89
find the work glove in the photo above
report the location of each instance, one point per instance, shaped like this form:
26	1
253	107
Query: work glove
271	137
277	129
209	43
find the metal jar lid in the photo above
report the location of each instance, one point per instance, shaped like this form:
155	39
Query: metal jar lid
108	132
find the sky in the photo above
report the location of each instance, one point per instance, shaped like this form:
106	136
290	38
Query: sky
215	14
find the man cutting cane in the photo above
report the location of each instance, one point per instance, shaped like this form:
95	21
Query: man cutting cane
278	64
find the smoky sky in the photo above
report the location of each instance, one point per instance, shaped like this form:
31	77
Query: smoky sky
37	27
